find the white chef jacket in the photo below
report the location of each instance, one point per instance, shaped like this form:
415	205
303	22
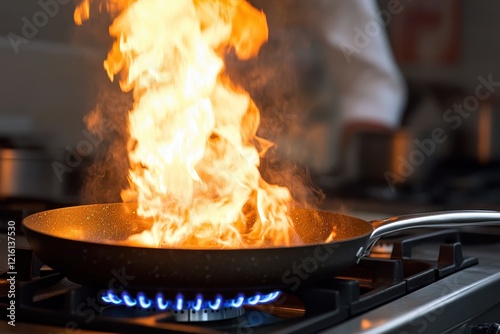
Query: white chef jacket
368	81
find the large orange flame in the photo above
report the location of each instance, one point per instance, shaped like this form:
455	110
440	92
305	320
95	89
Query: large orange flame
193	153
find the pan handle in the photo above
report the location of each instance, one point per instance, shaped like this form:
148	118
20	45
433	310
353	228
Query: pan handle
446	219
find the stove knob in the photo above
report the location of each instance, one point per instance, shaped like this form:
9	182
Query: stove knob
487	328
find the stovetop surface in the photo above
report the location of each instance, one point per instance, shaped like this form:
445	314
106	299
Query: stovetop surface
443	306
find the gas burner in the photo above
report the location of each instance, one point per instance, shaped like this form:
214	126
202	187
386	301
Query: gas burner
186	309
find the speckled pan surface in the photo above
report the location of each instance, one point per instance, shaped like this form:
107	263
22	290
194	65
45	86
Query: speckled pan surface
86	244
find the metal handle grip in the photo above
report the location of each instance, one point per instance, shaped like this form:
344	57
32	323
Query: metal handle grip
446	219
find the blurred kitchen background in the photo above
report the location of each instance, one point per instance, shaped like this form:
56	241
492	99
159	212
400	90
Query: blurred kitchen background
51	76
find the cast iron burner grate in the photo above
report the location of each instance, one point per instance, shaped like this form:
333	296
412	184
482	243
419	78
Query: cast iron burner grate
50	298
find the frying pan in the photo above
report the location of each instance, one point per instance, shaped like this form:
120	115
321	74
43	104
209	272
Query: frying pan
86	244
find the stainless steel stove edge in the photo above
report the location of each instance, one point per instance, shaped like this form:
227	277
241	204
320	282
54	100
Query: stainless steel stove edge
441	307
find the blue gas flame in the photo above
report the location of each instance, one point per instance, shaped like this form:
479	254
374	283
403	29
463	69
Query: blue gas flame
180	303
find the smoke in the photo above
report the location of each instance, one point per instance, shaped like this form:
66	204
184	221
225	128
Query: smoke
106	177
275	81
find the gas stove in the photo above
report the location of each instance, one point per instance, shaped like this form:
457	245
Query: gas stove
445	281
